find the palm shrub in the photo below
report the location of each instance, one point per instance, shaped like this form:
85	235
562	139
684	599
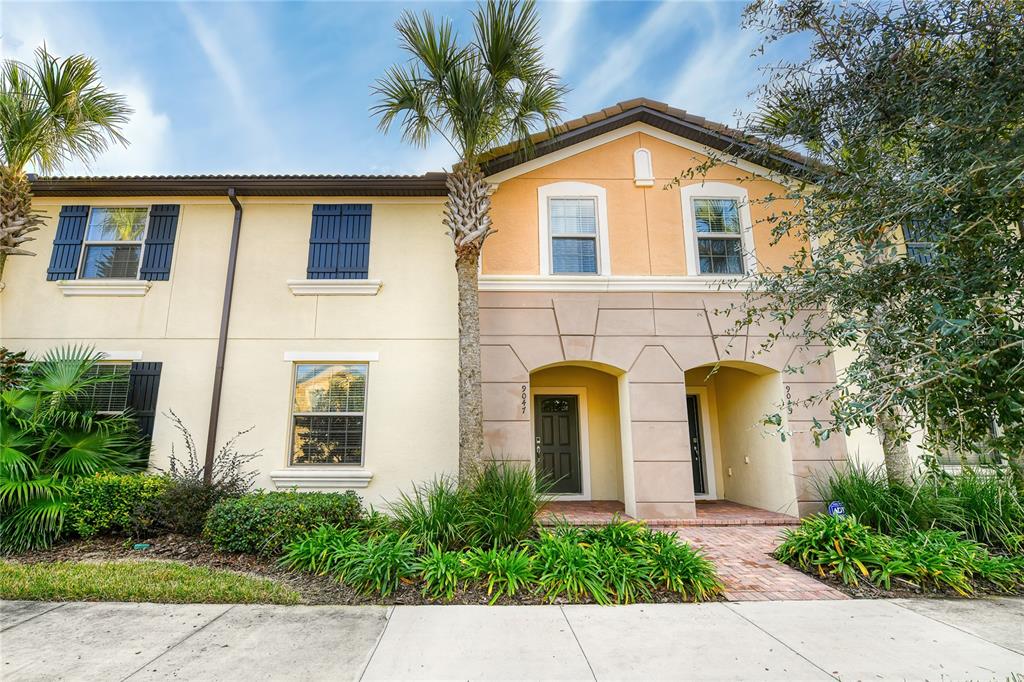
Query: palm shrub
476	96
49	437
502	501
434	513
52	111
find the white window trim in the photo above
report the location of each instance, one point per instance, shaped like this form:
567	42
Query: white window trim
325	473
584	423
573	190
86	242
717	190
310	478
334	287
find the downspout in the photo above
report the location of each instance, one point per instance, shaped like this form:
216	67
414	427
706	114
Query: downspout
222	340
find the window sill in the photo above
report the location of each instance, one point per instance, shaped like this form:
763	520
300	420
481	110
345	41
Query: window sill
339	477
104	287
334	287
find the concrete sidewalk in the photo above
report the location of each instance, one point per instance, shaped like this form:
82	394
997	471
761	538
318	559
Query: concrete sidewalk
792	640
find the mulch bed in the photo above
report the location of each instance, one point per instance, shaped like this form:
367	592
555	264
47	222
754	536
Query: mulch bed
313	589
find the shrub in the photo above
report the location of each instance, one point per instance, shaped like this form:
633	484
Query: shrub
502	502
678	567
620	533
567	569
108	503
187	499
505	570
850	550
435	513
442	571
320	551
627	575
982	503
264	522
378	563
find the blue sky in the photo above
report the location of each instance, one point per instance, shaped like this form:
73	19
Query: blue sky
230	87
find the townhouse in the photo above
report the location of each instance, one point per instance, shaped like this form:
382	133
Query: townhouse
321	310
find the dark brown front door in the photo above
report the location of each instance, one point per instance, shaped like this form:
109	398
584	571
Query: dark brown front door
557	430
700	483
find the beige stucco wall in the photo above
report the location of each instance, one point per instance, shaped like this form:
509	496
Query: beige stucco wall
757	465
601	390
411	419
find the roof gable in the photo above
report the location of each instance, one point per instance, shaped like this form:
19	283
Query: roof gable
624	118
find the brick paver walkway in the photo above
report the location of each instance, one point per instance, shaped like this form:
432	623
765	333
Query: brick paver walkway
709	513
742	556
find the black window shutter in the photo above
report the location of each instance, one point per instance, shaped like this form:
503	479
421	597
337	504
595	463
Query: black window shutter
143	386
67	244
339	242
156	257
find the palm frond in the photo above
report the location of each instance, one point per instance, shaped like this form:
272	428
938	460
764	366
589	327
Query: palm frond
55	110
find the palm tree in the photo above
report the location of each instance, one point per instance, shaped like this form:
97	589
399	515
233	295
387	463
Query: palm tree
51	112
492	91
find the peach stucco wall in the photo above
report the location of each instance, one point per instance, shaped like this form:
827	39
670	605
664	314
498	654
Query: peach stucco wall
645	224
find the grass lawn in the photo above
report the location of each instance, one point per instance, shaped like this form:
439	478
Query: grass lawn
137	581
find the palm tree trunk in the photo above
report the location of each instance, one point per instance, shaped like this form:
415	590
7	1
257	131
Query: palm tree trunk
898	467
471	411
17	218
467	216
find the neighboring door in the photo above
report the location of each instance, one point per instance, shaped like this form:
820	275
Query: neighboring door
700	479
557	431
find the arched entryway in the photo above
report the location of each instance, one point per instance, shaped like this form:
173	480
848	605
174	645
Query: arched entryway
736	457
576	419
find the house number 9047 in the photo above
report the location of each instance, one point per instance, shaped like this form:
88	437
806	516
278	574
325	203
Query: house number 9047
523	404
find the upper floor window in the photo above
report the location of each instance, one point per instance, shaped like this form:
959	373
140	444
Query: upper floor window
112	248
328	413
919	241
718	231
573	225
573	221
719	236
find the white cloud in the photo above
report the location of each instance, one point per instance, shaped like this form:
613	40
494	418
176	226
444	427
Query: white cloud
148	133
714	80
227	70
630	52
561	39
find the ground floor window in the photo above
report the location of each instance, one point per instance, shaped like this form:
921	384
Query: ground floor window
328	413
109	394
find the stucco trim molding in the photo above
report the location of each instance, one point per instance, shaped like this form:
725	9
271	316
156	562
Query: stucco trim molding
611	283
104	287
334	478
334	287
320	356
